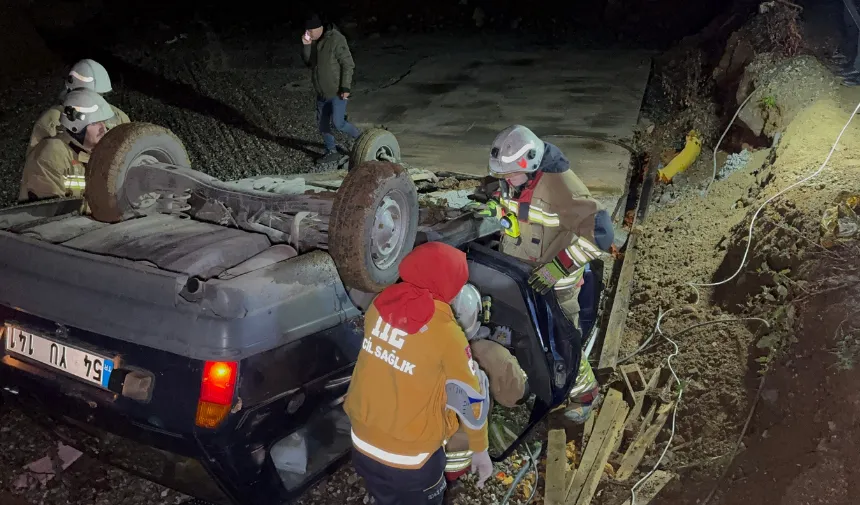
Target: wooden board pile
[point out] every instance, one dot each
(615, 441)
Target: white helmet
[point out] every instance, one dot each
(516, 149)
(90, 75)
(467, 309)
(82, 108)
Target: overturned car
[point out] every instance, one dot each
(202, 333)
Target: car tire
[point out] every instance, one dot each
(371, 144)
(121, 148)
(373, 225)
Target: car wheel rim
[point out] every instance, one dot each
(144, 159)
(385, 153)
(389, 230)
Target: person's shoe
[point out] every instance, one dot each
(849, 72)
(329, 157)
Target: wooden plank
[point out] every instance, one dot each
(636, 451)
(634, 386)
(556, 468)
(636, 411)
(607, 423)
(587, 430)
(604, 452)
(651, 487)
(620, 306)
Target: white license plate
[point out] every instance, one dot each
(85, 365)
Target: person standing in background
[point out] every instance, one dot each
(326, 52)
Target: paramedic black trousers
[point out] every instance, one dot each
(396, 486)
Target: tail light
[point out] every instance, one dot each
(217, 389)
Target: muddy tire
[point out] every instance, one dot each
(119, 149)
(373, 225)
(371, 144)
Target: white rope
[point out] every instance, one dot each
(740, 267)
(716, 147)
(674, 410)
(774, 197)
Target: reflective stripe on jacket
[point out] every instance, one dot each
(554, 210)
(53, 169)
(397, 398)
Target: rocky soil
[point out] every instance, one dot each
(794, 277)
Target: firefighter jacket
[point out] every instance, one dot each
(55, 168)
(398, 401)
(48, 125)
(554, 210)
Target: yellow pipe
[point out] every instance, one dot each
(683, 160)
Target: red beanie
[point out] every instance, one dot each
(432, 271)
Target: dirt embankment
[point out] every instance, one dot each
(794, 275)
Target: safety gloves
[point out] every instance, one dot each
(483, 465)
(492, 208)
(569, 261)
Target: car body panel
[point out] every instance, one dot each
(286, 320)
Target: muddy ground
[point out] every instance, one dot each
(792, 379)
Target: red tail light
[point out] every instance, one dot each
(216, 392)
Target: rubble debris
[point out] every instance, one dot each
(734, 162)
(39, 472)
(841, 222)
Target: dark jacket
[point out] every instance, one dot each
(330, 62)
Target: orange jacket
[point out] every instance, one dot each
(397, 400)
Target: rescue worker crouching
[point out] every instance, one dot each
(507, 380)
(56, 166)
(415, 383)
(85, 74)
(552, 223)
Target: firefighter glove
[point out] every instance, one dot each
(482, 464)
(492, 208)
(571, 259)
(543, 278)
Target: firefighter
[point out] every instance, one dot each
(55, 168)
(508, 382)
(85, 74)
(551, 222)
(415, 383)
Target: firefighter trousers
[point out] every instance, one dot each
(586, 382)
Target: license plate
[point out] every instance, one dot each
(85, 365)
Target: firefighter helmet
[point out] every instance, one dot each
(515, 150)
(88, 74)
(467, 309)
(82, 108)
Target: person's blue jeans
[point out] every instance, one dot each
(332, 112)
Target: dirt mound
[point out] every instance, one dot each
(781, 89)
(696, 239)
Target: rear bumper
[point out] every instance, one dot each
(231, 465)
(82, 418)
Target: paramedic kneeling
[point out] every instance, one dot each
(415, 383)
